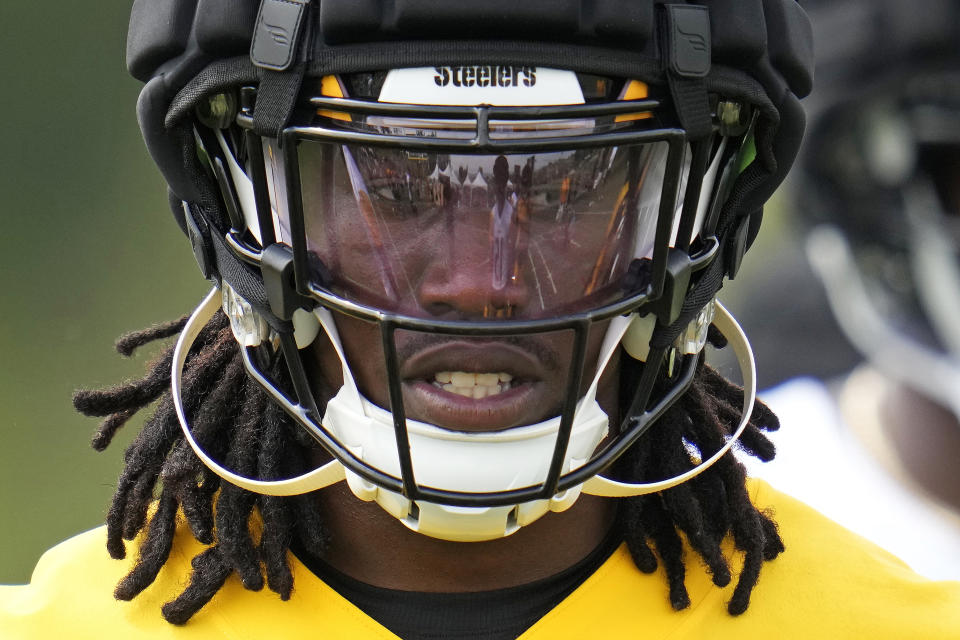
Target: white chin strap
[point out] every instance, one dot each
(460, 461)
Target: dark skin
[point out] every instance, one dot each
(371, 546)
(362, 532)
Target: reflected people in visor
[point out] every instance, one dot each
(444, 236)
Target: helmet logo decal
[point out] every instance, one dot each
(279, 33)
(486, 76)
(502, 85)
(690, 39)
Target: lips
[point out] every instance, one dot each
(476, 386)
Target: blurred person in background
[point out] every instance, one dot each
(878, 190)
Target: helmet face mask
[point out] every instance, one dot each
(453, 241)
(512, 236)
(605, 194)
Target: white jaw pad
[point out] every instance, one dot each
(600, 486)
(325, 476)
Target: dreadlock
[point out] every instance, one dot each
(713, 503)
(233, 420)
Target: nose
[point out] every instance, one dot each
(478, 275)
(466, 291)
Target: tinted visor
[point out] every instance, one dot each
(474, 236)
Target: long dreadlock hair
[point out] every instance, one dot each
(233, 420)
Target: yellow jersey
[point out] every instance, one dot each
(829, 584)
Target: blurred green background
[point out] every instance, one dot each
(89, 251)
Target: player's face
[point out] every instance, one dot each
(482, 238)
(467, 383)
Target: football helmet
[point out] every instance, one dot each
(879, 175)
(489, 199)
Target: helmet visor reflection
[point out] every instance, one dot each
(519, 235)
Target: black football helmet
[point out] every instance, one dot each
(517, 180)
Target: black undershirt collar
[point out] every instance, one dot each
(500, 614)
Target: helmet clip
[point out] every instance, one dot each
(680, 268)
(197, 231)
(278, 29)
(277, 266)
(694, 338)
(276, 263)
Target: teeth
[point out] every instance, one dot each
(461, 379)
(487, 379)
(473, 385)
